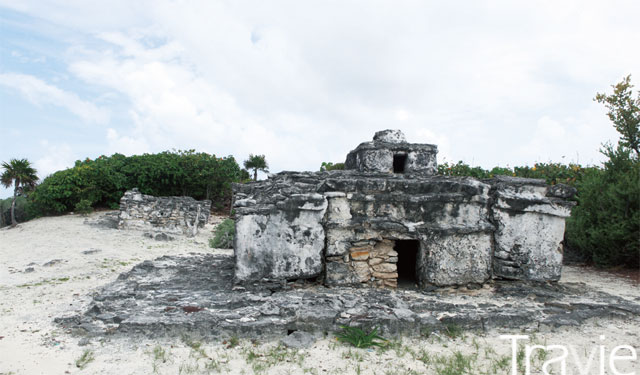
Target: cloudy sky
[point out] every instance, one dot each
(490, 82)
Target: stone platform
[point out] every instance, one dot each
(195, 295)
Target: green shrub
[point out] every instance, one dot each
(552, 173)
(359, 338)
(83, 207)
(23, 210)
(223, 237)
(328, 166)
(605, 225)
(104, 180)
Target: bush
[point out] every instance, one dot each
(328, 166)
(605, 225)
(23, 211)
(83, 207)
(103, 181)
(223, 237)
(552, 173)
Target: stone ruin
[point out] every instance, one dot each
(388, 220)
(162, 215)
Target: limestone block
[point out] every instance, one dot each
(528, 246)
(338, 210)
(529, 229)
(362, 271)
(383, 248)
(338, 241)
(374, 261)
(285, 244)
(360, 255)
(385, 275)
(339, 273)
(391, 283)
(385, 267)
(455, 259)
(390, 135)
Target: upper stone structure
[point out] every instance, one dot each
(381, 225)
(390, 152)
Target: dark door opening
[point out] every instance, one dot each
(399, 162)
(407, 262)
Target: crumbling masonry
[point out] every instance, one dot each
(174, 215)
(388, 220)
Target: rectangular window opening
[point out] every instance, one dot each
(407, 262)
(399, 163)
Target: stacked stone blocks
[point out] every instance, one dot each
(174, 215)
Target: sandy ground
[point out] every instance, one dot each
(30, 343)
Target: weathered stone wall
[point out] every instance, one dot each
(342, 225)
(378, 156)
(378, 210)
(529, 218)
(176, 215)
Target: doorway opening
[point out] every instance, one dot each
(399, 162)
(407, 262)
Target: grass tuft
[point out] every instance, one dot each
(359, 338)
(85, 359)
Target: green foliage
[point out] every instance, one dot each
(461, 169)
(359, 338)
(552, 173)
(83, 207)
(18, 173)
(328, 166)
(605, 225)
(223, 238)
(453, 331)
(22, 211)
(457, 364)
(104, 180)
(244, 175)
(256, 163)
(624, 112)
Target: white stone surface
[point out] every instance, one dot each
(528, 246)
(390, 135)
(456, 259)
(283, 244)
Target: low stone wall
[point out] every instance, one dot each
(175, 215)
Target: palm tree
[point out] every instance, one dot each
(21, 174)
(257, 163)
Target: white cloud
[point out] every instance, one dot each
(39, 92)
(56, 157)
(440, 140)
(490, 83)
(564, 140)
